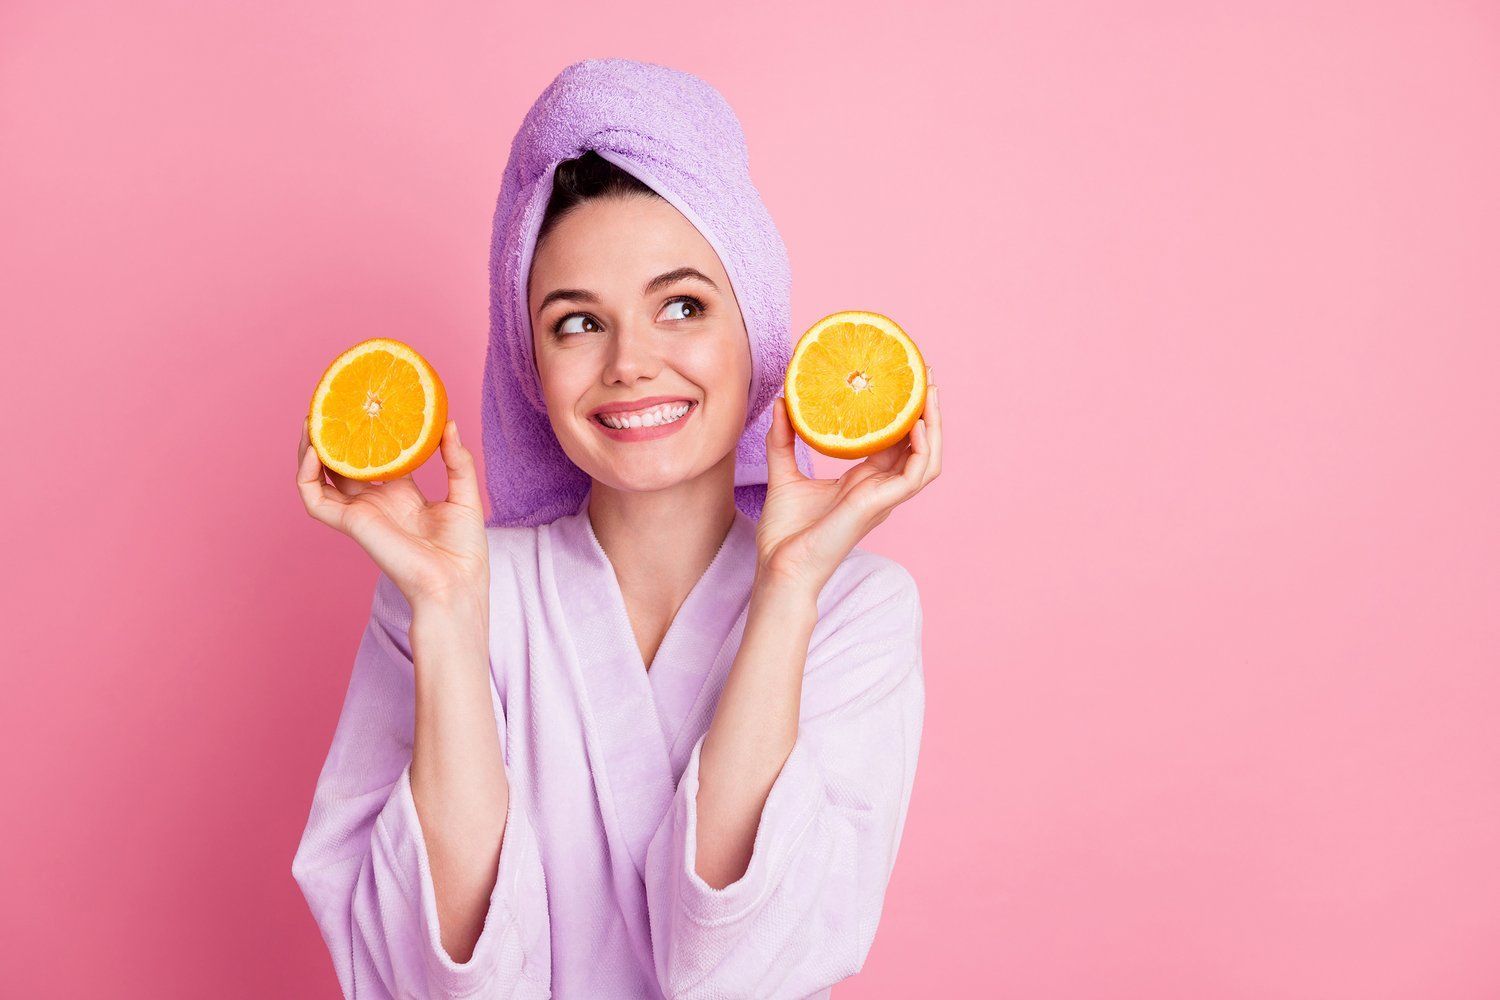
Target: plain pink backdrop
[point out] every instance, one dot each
(1211, 580)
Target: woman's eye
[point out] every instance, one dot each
(695, 307)
(564, 325)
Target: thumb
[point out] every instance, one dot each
(781, 461)
(463, 477)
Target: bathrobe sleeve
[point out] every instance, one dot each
(362, 863)
(803, 915)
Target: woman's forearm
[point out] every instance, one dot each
(458, 779)
(754, 728)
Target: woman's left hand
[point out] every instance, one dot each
(808, 525)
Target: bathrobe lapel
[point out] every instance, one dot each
(634, 718)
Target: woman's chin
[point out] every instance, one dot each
(639, 479)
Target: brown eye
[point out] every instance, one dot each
(558, 328)
(689, 303)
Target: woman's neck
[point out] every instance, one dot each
(660, 543)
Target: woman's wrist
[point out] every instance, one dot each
(787, 600)
(454, 600)
(451, 618)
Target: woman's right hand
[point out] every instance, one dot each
(433, 552)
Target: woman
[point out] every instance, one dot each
(652, 730)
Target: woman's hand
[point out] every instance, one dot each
(808, 526)
(434, 552)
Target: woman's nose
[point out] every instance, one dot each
(632, 353)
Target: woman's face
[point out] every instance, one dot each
(630, 303)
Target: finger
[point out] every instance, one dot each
(920, 458)
(930, 411)
(463, 474)
(889, 458)
(934, 417)
(302, 444)
(345, 485)
(781, 459)
(897, 488)
(322, 501)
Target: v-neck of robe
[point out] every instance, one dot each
(634, 717)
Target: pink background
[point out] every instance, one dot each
(1211, 580)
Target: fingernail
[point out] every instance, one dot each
(455, 432)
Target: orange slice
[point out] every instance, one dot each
(378, 411)
(856, 384)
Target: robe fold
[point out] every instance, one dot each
(597, 895)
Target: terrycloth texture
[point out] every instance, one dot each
(677, 135)
(598, 895)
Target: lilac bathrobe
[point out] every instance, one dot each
(597, 894)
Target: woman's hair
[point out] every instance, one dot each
(581, 179)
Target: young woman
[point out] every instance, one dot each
(652, 730)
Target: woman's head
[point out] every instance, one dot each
(677, 135)
(628, 302)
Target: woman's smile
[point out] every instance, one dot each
(645, 424)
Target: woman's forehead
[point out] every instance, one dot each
(613, 246)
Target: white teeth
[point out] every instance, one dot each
(654, 417)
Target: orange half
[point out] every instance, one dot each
(378, 411)
(856, 384)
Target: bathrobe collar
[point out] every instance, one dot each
(635, 720)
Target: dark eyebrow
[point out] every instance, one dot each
(660, 281)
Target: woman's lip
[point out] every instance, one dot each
(645, 433)
(639, 404)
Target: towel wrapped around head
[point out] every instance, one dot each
(678, 135)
